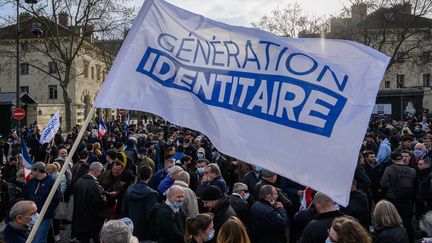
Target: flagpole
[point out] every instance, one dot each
(60, 175)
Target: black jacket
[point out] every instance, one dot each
(317, 230)
(395, 234)
(240, 207)
(89, 205)
(222, 212)
(12, 235)
(358, 207)
(138, 201)
(267, 224)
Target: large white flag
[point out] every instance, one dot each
(51, 129)
(299, 107)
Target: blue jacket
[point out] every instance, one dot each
(37, 191)
(139, 199)
(157, 178)
(267, 223)
(384, 151)
(12, 235)
(166, 183)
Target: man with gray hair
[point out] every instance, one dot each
(23, 215)
(89, 205)
(170, 220)
(190, 201)
(212, 176)
(239, 201)
(168, 181)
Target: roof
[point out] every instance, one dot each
(391, 18)
(26, 23)
(10, 98)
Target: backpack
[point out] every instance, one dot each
(404, 186)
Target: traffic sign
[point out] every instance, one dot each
(121, 112)
(18, 114)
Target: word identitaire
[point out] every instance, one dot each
(265, 83)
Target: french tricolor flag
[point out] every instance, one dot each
(27, 163)
(102, 128)
(306, 199)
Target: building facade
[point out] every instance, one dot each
(40, 73)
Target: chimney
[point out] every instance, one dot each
(24, 17)
(358, 12)
(63, 18)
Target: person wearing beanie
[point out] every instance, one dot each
(219, 204)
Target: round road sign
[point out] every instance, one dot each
(18, 114)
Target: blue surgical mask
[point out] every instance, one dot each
(328, 240)
(33, 221)
(201, 170)
(210, 236)
(418, 153)
(245, 197)
(258, 168)
(200, 155)
(177, 205)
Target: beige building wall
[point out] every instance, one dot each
(82, 89)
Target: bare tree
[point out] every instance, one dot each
(63, 42)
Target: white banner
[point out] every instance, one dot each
(51, 129)
(298, 107)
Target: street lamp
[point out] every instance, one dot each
(18, 59)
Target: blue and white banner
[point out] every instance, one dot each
(298, 107)
(51, 129)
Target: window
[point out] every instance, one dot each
(426, 79)
(24, 68)
(400, 57)
(98, 72)
(426, 57)
(387, 84)
(92, 72)
(52, 66)
(400, 81)
(52, 92)
(86, 69)
(24, 89)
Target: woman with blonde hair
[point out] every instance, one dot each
(199, 229)
(233, 231)
(348, 230)
(98, 152)
(388, 224)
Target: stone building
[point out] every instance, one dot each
(37, 67)
(403, 34)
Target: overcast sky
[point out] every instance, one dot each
(238, 12)
(243, 12)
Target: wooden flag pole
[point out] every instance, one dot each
(60, 175)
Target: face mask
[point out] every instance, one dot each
(418, 153)
(245, 197)
(328, 240)
(33, 221)
(200, 156)
(201, 170)
(177, 205)
(210, 235)
(258, 169)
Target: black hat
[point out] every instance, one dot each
(211, 193)
(267, 173)
(142, 150)
(396, 156)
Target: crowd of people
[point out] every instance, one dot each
(152, 181)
